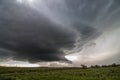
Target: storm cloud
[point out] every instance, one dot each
(31, 35)
(48, 30)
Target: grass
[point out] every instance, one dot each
(108, 73)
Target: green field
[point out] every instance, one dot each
(108, 73)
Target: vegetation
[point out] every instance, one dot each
(94, 73)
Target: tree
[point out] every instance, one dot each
(83, 66)
(114, 65)
(97, 66)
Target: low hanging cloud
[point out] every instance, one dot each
(48, 30)
(31, 35)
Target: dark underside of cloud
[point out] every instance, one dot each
(30, 35)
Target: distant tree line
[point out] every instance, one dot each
(99, 66)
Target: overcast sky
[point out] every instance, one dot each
(59, 32)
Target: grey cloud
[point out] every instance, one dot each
(32, 36)
(44, 33)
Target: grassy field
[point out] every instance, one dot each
(109, 73)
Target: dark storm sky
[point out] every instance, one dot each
(49, 30)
